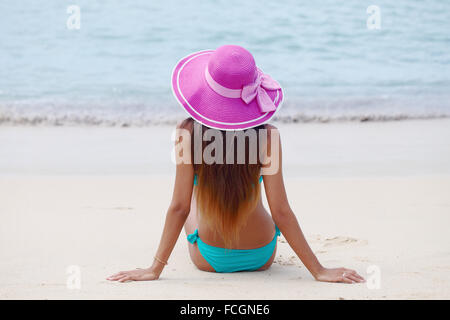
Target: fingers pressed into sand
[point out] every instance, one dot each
(116, 274)
(125, 278)
(360, 278)
(346, 279)
(118, 278)
(354, 273)
(354, 278)
(115, 278)
(350, 271)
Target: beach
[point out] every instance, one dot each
(371, 196)
(88, 108)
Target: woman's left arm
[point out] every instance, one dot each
(175, 218)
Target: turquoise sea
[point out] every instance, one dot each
(115, 69)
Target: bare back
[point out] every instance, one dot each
(258, 231)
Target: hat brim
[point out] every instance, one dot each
(209, 108)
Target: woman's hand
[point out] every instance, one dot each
(135, 275)
(339, 275)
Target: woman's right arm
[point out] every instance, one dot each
(286, 221)
(175, 218)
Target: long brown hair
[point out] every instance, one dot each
(226, 194)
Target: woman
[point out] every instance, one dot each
(224, 151)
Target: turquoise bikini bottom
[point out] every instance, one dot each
(233, 260)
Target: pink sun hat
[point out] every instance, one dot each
(224, 89)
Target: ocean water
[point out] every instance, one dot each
(115, 69)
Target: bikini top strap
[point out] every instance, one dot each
(192, 238)
(277, 231)
(195, 179)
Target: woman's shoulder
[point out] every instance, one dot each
(269, 126)
(187, 124)
(271, 130)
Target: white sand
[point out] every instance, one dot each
(372, 194)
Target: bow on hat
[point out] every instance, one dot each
(249, 92)
(258, 90)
